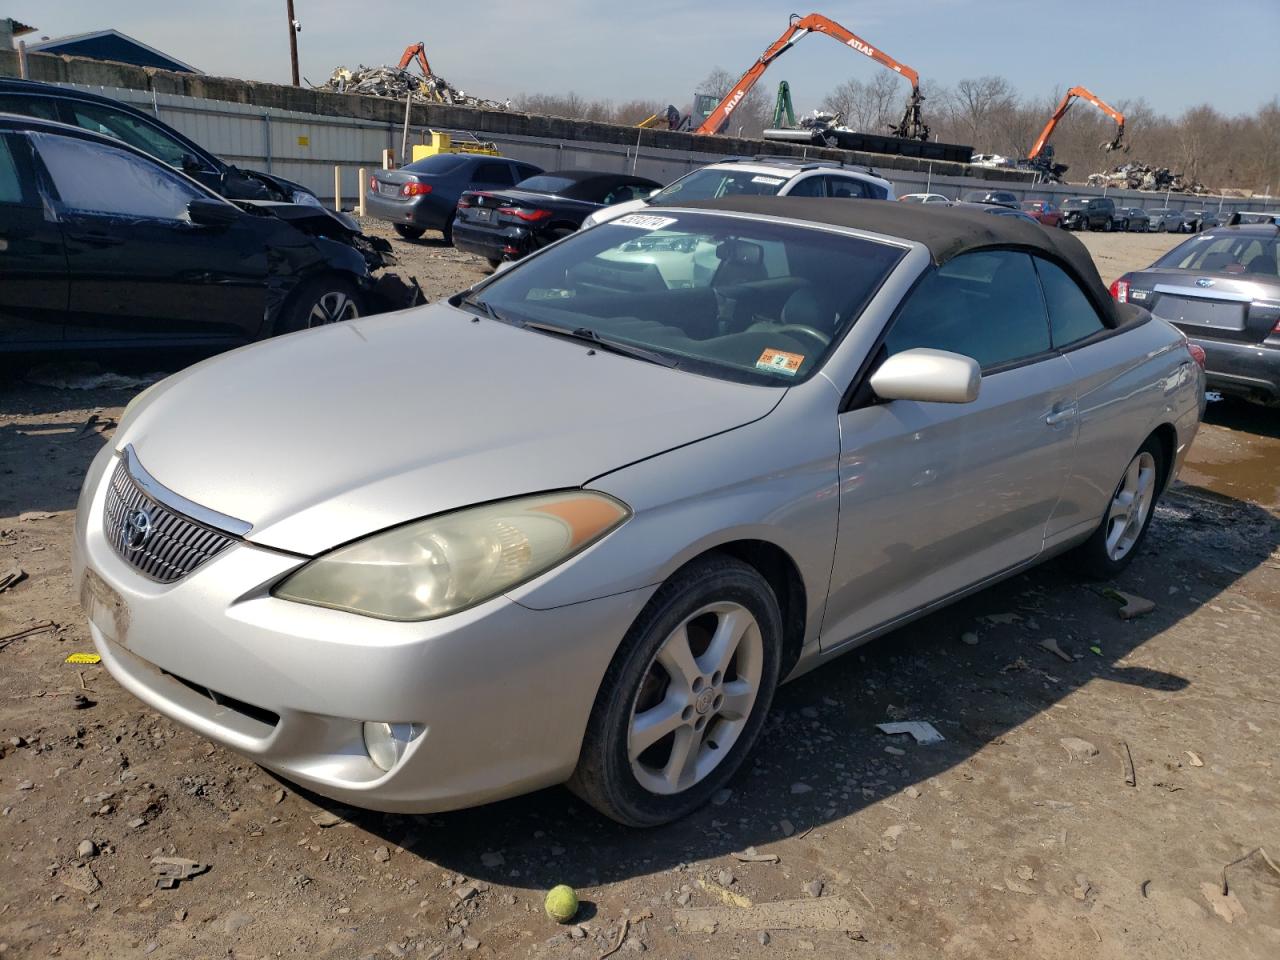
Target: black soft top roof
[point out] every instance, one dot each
(946, 232)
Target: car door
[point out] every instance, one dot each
(148, 137)
(935, 497)
(33, 263)
(138, 267)
(1109, 386)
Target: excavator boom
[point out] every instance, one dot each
(911, 125)
(1065, 104)
(420, 52)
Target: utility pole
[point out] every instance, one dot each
(293, 42)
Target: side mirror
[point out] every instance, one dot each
(928, 376)
(212, 213)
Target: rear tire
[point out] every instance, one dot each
(1124, 526)
(447, 231)
(1106, 227)
(690, 687)
(1161, 227)
(494, 264)
(319, 302)
(409, 232)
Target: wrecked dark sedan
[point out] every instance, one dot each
(140, 129)
(103, 246)
(506, 224)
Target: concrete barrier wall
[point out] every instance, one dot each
(302, 134)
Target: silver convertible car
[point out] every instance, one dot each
(578, 522)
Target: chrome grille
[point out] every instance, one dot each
(155, 540)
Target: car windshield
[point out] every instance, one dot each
(719, 296)
(437, 165)
(1234, 253)
(709, 184)
(1074, 205)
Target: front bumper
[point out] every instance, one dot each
(1250, 370)
(502, 691)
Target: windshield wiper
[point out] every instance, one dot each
(485, 307)
(587, 335)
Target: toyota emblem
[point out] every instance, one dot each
(137, 529)
(1204, 282)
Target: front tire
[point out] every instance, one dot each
(685, 697)
(1106, 227)
(1113, 545)
(1162, 227)
(319, 302)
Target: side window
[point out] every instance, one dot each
(15, 187)
(46, 108)
(623, 192)
(1071, 315)
(524, 171)
(95, 178)
(498, 174)
(983, 305)
(132, 130)
(846, 188)
(808, 187)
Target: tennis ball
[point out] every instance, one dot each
(561, 903)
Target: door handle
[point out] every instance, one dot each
(1056, 417)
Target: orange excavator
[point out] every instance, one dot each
(912, 126)
(1042, 148)
(420, 52)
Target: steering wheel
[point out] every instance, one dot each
(802, 332)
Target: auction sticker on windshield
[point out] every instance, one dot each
(771, 181)
(644, 221)
(780, 361)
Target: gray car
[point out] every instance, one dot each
(1132, 220)
(1222, 289)
(578, 522)
(424, 194)
(1166, 219)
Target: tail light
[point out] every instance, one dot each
(1120, 291)
(528, 216)
(464, 203)
(373, 184)
(415, 189)
(1197, 353)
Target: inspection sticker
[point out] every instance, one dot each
(771, 181)
(780, 362)
(644, 221)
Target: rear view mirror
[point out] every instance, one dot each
(190, 164)
(740, 251)
(928, 376)
(212, 213)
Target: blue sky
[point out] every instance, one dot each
(1176, 53)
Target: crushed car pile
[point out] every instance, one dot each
(397, 83)
(1141, 176)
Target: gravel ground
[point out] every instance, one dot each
(1019, 836)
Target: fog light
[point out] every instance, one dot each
(386, 742)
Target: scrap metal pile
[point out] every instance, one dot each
(1141, 176)
(396, 83)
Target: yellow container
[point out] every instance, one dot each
(443, 143)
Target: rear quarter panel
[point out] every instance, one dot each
(1128, 385)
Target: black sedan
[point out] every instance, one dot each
(1222, 289)
(143, 131)
(424, 195)
(1002, 197)
(507, 224)
(103, 246)
(995, 209)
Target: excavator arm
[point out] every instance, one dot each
(420, 52)
(911, 125)
(1070, 97)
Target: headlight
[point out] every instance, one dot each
(306, 199)
(434, 567)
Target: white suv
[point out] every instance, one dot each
(762, 176)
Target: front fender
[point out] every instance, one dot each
(774, 480)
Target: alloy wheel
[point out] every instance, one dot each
(1130, 506)
(696, 698)
(331, 308)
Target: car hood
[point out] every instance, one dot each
(321, 437)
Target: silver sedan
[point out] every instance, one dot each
(578, 522)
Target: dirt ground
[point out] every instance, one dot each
(1080, 806)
